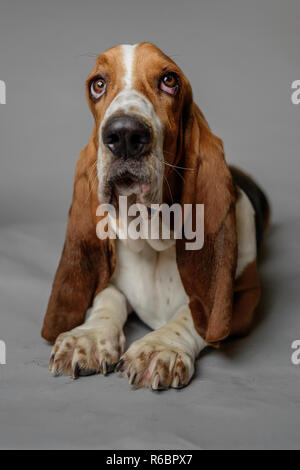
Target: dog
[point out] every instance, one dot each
(151, 144)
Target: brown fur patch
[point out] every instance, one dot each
(246, 298)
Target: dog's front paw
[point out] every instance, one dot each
(86, 352)
(150, 363)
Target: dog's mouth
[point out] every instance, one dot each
(125, 183)
(128, 179)
(138, 190)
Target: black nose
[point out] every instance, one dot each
(126, 136)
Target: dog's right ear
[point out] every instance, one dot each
(87, 263)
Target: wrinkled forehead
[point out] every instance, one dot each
(130, 64)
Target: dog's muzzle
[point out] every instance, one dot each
(130, 152)
(127, 136)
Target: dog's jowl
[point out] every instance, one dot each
(152, 145)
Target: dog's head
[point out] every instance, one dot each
(140, 100)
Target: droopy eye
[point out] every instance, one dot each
(169, 83)
(98, 88)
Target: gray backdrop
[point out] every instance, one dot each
(241, 57)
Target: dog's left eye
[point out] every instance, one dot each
(169, 83)
(98, 88)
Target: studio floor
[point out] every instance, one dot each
(244, 396)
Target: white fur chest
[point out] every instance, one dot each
(150, 281)
(147, 272)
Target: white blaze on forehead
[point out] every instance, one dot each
(130, 100)
(128, 58)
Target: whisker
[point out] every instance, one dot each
(92, 170)
(169, 189)
(92, 187)
(173, 56)
(179, 167)
(179, 174)
(176, 166)
(92, 183)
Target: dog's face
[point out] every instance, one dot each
(140, 100)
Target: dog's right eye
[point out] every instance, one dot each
(98, 88)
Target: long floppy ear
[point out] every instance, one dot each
(208, 274)
(87, 263)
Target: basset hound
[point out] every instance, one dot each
(152, 145)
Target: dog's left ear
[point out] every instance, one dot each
(208, 274)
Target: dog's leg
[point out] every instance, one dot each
(96, 346)
(166, 357)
